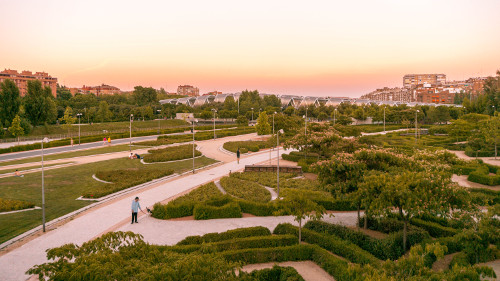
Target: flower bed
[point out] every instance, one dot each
(7, 205)
(171, 153)
(245, 189)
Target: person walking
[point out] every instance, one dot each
(238, 155)
(135, 208)
(109, 140)
(104, 141)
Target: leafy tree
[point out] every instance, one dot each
(301, 208)
(289, 110)
(39, 104)
(10, 101)
(145, 96)
(242, 121)
(343, 119)
(16, 129)
(460, 129)
(439, 114)
(263, 127)
(63, 93)
(206, 115)
(103, 113)
(491, 131)
(322, 116)
(230, 103)
(68, 120)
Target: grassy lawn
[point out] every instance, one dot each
(395, 140)
(2, 172)
(93, 151)
(62, 187)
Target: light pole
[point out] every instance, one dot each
(43, 188)
(278, 166)
(252, 113)
(384, 118)
(334, 115)
(130, 138)
(79, 126)
(215, 111)
(416, 119)
(194, 120)
(159, 126)
(273, 121)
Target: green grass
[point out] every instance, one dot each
(62, 187)
(3, 172)
(246, 146)
(87, 152)
(395, 140)
(245, 189)
(171, 153)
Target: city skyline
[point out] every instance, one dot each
(325, 49)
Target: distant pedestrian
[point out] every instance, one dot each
(104, 141)
(238, 155)
(18, 174)
(109, 140)
(71, 142)
(135, 208)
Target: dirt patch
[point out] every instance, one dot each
(444, 263)
(371, 233)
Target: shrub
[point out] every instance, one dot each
(331, 243)
(7, 205)
(246, 146)
(257, 208)
(245, 189)
(276, 273)
(452, 243)
(322, 198)
(263, 178)
(434, 229)
(171, 153)
(277, 254)
(483, 196)
(206, 212)
(228, 235)
(295, 156)
(482, 176)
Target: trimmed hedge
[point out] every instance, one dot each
(333, 244)
(227, 235)
(206, 212)
(257, 208)
(295, 156)
(277, 254)
(246, 146)
(7, 205)
(482, 178)
(483, 196)
(434, 229)
(276, 273)
(172, 153)
(264, 178)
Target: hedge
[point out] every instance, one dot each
(434, 229)
(7, 205)
(246, 146)
(207, 212)
(276, 273)
(245, 189)
(227, 235)
(483, 196)
(473, 153)
(264, 178)
(267, 241)
(486, 179)
(333, 244)
(172, 153)
(295, 156)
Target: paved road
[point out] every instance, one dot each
(99, 220)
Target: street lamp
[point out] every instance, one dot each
(334, 115)
(416, 119)
(43, 188)
(159, 126)
(278, 166)
(384, 118)
(193, 121)
(252, 113)
(215, 111)
(79, 125)
(270, 149)
(130, 138)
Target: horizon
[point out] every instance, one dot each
(292, 48)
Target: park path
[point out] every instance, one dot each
(100, 219)
(487, 160)
(307, 269)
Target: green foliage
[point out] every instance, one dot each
(16, 129)
(145, 96)
(39, 104)
(262, 126)
(263, 178)
(7, 205)
(103, 113)
(276, 273)
(434, 229)
(245, 189)
(246, 146)
(172, 153)
(481, 175)
(206, 211)
(242, 121)
(227, 235)
(68, 120)
(10, 101)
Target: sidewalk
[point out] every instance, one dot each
(15, 263)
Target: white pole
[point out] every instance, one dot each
(79, 127)
(130, 137)
(384, 118)
(193, 146)
(43, 192)
(214, 122)
(278, 167)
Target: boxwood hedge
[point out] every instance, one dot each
(227, 235)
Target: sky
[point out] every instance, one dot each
(322, 48)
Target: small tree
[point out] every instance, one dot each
(263, 127)
(205, 114)
(242, 121)
(492, 132)
(16, 129)
(68, 120)
(301, 208)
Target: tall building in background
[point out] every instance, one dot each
(390, 94)
(188, 90)
(413, 80)
(21, 80)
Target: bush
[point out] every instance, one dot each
(7, 205)
(483, 196)
(277, 254)
(264, 178)
(206, 212)
(295, 156)
(482, 176)
(245, 190)
(331, 243)
(276, 273)
(246, 146)
(452, 243)
(257, 208)
(171, 153)
(434, 229)
(228, 235)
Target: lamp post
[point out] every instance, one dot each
(384, 118)
(252, 113)
(334, 115)
(130, 137)
(278, 166)
(416, 119)
(79, 126)
(215, 111)
(193, 121)
(159, 126)
(270, 149)
(43, 188)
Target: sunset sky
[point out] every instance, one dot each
(334, 48)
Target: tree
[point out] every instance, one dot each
(491, 131)
(39, 104)
(145, 96)
(206, 115)
(301, 208)
(343, 119)
(460, 129)
(439, 114)
(230, 104)
(10, 101)
(16, 129)
(103, 113)
(242, 121)
(263, 127)
(68, 120)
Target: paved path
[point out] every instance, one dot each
(462, 181)
(487, 160)
(496, 267)
(99, 220)
(307, 269)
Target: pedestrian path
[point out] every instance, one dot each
(97, 221)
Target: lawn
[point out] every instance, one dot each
(62, 187)
(2, 172)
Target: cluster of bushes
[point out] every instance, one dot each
(246, 190)
(331, 243)
(264, 178)
(276, 273)
(246, 146)
(227, 235)
(322, 198)
(122, 179)
(482, 175)
(218, 208)
(7, 205)
(171, 153)
(484, 197)
(478, 153)
(295, 156)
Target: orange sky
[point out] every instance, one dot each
(336, 48)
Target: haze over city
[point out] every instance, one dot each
(324, 48)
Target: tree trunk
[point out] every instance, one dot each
(404, 234)
(300, 231)
(366, 221)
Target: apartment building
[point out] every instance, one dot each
(188, 90)
(21, 80)
(103, 89)
(390, 94)
(413, 80)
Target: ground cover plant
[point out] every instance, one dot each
(7, 205)
(171, 153)
(245, 189)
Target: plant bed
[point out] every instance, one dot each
(7, 205)
(171, 153)
(246, 146)
(245, 189)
